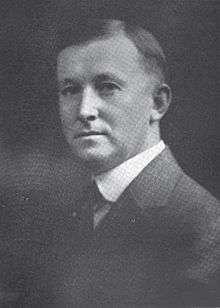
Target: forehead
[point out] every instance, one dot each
(117, 53)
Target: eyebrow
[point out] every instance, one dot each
(99, 78)
(68, 81)
(107, 76)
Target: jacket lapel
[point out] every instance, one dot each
(154, 185)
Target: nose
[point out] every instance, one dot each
(88, 109)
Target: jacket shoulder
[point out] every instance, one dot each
(191, 193)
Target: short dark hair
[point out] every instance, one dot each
(83, 31)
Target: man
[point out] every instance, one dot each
(142, 233)
(155, 237)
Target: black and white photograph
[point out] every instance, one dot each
(109, 154)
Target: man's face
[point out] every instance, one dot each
(105, 99)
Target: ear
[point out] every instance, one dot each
(161, 101)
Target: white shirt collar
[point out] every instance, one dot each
(113, 182)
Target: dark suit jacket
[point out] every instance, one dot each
(158, 246)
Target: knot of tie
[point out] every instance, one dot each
(96, 198)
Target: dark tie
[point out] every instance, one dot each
(100, 205)
(91, 204)
(97, 198)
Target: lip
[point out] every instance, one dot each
(89, 133)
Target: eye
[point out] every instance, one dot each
(107, 87)
(70, 90)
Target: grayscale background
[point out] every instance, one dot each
(35, 161)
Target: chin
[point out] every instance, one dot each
(95, 161)
(92, 156)
(99, 161)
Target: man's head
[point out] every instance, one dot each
(112, 91)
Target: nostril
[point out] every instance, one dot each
(87, 118)
(91, 118)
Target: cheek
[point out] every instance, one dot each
(67, 109)
(140, 109)
(135, 110)
(133, 120)
(123, 124)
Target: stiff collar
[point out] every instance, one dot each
(112, 183)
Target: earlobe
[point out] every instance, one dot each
(162, 100)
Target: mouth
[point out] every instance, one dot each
(89, 133)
